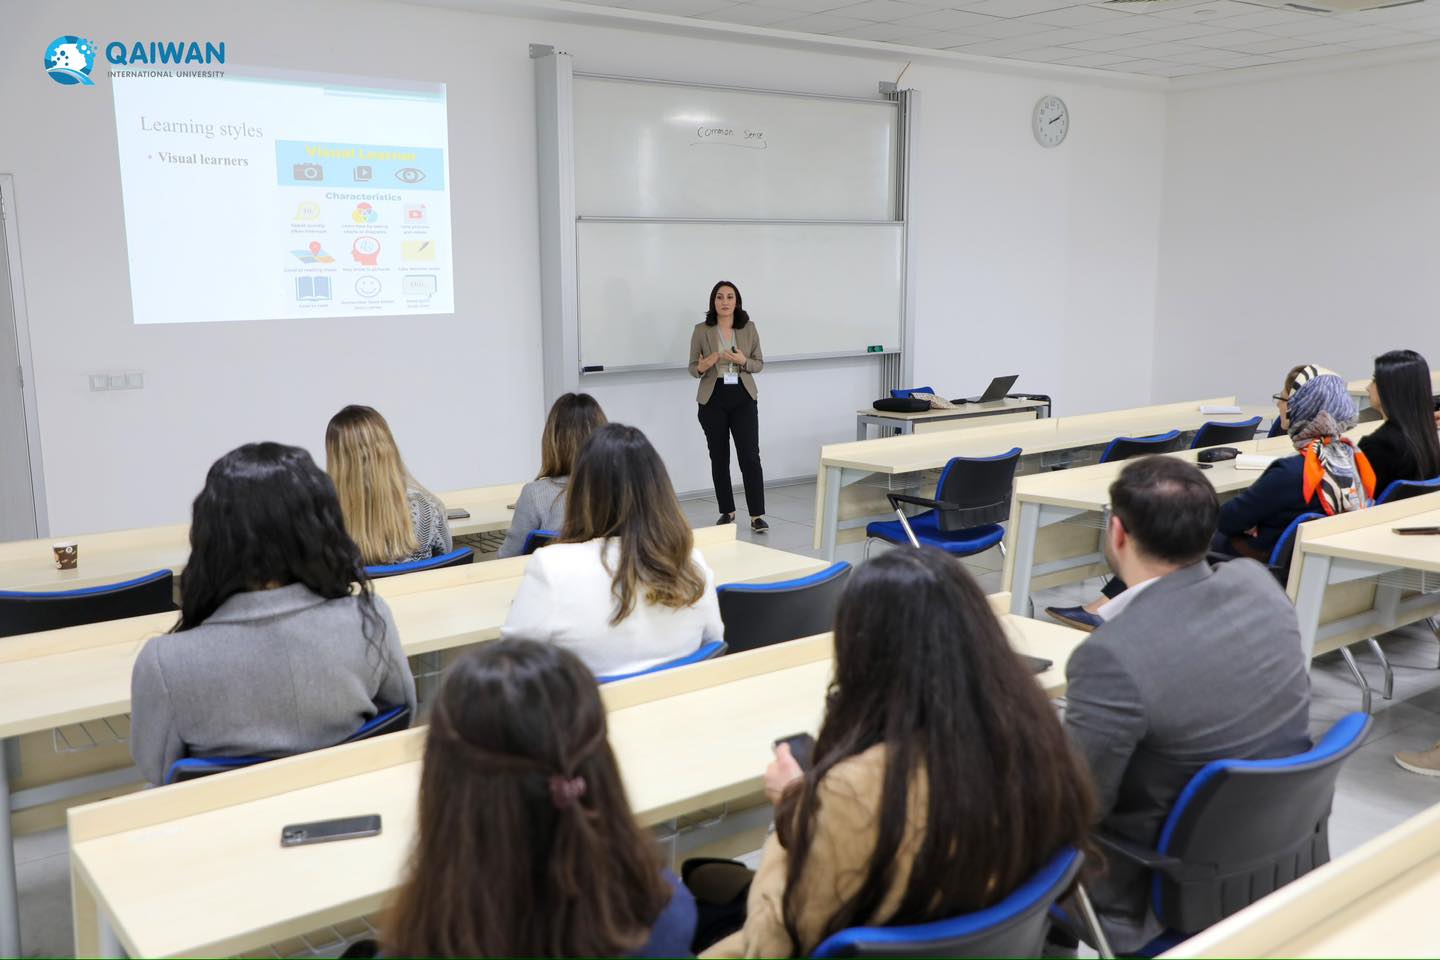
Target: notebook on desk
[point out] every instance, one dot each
(997, 390)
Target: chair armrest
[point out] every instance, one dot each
(1138, 854)
(898, 498)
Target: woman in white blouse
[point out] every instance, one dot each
(624, 588)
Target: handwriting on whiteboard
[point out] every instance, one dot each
(730, 137)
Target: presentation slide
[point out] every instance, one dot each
(280, 196)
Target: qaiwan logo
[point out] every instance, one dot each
(69, 60)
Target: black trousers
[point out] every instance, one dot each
(731, 411)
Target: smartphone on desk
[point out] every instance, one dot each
(1417, 531)
(802, 748)
(324, 831)
(457, 513)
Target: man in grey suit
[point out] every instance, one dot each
(1192, 664)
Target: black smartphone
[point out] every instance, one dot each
(1417, 531)
(324, 831)
(1037, 665)
(802, 748)
(457, 513)
(1204, 466)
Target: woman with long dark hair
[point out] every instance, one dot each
(281, 646)
(541, 505)
(624, 588)
(942, 778)
(526, 846)
(1405, 446)
(725, 355)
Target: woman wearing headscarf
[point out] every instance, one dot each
(1328, 474)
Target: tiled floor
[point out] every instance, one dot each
(1372, 796)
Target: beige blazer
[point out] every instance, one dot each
(705, 340)
(846, 830)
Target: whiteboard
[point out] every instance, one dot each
(646, 149)
(810, 288)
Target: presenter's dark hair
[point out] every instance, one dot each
(712, 318)
(961, 718)
(1168, 506)
(1402, 378)
(269, 515)
(507, 861)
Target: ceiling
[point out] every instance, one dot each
(1166, 38)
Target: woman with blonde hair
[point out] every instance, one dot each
(390, 516)
(541, 505)
(624, 589)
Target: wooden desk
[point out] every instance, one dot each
(1056, 519)
(1007, 410)
(1399, 576)
(844, 464)
(78, 674)
(147, 869)
(1373, 902)
(123, 554)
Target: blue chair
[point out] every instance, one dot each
(455, 558)
(1276, 428)
(1014, 927)
(707, 651)
(1123, 448)
(26, 611)
(1240, 830)
(1214, 434)
(1405, 489)
(973, 495)
(905, 394)
(536, 539)
(193, 768)
(759, 614)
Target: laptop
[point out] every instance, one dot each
(997, 390)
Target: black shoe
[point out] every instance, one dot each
(724, 519)
(758, 525)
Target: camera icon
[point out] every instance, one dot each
(308, 171)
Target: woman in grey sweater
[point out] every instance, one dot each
(277, 650)
(541, 505)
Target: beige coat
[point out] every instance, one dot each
(845, 834)
(705, 340)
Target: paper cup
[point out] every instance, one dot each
(67, 555)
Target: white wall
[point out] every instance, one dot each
(1300, 226)
(1027, 260)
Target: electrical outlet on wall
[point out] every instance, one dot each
(99, 381)
(134, 381)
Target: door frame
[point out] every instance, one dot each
(22, 344)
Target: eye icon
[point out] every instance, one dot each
(409, 175)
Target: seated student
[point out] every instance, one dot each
(941, 779)
(277, 651)
(1296, 378)
(1405, 446)
(625, 587)
(541, 505)
(526, 846)
(1326, 475)
(1192, 664)
(388, 513)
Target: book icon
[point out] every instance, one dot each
(312, 288)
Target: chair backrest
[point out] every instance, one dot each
(1213, 433)
(1405, 489)
(905, 394)
(980, 487)
(706, 651)
(1284, 550)
(536, 539)
(455, 558)
(24, 611)
(1014, 927)
(1244, 828)
(193, 768)
(759, 614)
(1123, 448)
(1276, 428)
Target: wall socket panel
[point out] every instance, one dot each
(129, 380)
